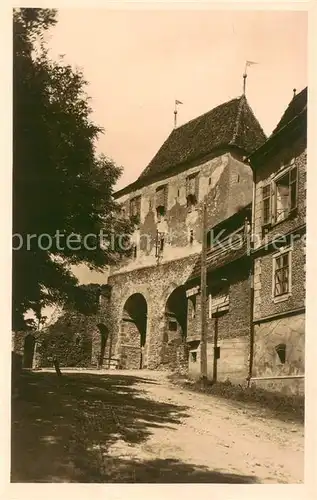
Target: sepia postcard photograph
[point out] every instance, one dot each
(159, 199)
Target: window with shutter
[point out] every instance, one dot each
(192, 187)
(161, 202)
(135, 208)
(282, 274)
(284, 193)
(266, 204)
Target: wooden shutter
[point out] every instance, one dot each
(160, 197)
(293, 188)
(273, 203)
(266, 200)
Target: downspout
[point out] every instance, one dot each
(250, 252)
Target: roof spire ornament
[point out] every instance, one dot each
(294, 93)
(247, 64)
(175, 112)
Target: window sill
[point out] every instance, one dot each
(281, 298)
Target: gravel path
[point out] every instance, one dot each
(123, 427)
(220, 436)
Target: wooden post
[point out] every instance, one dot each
(214, 377)
(203, 294)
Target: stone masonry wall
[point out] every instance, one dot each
(233, 328)
(155, 283)
(264, 304)
(225, 182)
(289, 330)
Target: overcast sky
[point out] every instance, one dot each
(139, 62)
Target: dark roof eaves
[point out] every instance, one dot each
(147, 180)
(286, 128)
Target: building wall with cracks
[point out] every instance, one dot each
(160, 275)
(280, 265)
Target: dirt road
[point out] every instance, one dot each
(220, 436)
(137, 427)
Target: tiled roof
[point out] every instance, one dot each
(230, 124)
(295, 107)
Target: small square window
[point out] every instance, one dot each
(281, 352)
(172, 326)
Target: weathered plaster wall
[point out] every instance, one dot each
(227, 183)
(155, 284)
(234, 322)
(288, 330)
(232, 364)
(233, 327)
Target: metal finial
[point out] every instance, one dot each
(244, 82)
(294, 93)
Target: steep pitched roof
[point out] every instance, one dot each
(230, 124)
(295, 113)
(295, 107)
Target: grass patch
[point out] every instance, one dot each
(278, 405)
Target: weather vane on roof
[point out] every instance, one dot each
(175, 112)
(247, 64)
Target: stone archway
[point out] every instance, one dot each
(133, 332)
(174, 352)
(28, 351)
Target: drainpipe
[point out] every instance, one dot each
(203, 295)
(250, 248)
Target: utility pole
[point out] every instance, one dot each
(203, 294)
(215, 347)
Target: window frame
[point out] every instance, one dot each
(192, 194)
(135, 201)
(285, 172)
(271, 220)
(282, 296)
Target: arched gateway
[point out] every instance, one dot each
(174, 352)
(133, 332)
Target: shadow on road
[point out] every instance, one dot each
(62, 429)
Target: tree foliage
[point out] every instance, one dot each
(59, 181)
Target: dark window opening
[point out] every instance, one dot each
(193, 356)
(281, 352)
(191, 201)
(172, 326)
(160, 212)
(191, 236)
(209, 181)
(135, 209)
(135, 251)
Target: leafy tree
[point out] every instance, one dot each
(61, 187)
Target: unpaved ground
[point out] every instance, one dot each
(221, 436)
(137, 427)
